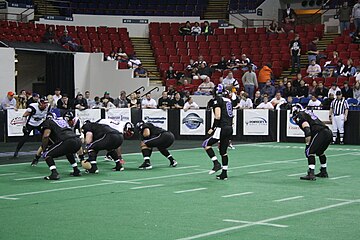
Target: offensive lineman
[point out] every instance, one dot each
(105, 134)
(317, 139)
(152, 136)
(221, 130)
(74, 123)
(36, 115)
(58, 140)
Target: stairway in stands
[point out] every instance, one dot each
(217, 9)
(144, 52)
(326, 40)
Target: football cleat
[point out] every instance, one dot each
(145, 166)
(222, 176)
(34, 162)
(231, 146)
(323, 173)
(53, 176)
(310, 176)
(108, 158)
(16, 153)
(341, 143)
(173, 164)
(93, 170)
(217, 167)
(118, 168)
(76, 173)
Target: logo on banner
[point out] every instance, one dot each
(193, 121)
(155, 120)
(256, 121)
(17, 121)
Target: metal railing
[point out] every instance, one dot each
(155, 88)
(142, 88)
(21, 17)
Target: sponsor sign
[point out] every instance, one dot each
(88, 114)
(15, 122)
(256, 122)
(158, 117)
(192, 122)
(119, 114)
(293, 130)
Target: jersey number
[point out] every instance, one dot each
(229, 109)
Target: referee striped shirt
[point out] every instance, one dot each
(339, 106)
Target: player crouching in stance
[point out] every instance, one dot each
(317, 138)
(63, 142)
(152, 136)
(220, 131)
(105, 134)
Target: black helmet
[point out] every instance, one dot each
(140, 125)
(68, 116)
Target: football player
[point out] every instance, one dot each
(152, 136)
(317, 139)
(74, 123)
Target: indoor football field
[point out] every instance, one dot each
(262, 199)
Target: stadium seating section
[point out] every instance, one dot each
(244, 4)
(105, 39)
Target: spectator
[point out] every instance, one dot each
(245, 62)
(356, 90)
(200, 61)
(265, 104)
(303, 89)
(49, 36)
(221, 65)
(172, 74)
(196, 29)
(80, 102)
(97, 103)
(203, 72)
(111, 57)
(344, 15)
(106, 104)
(133, 62)
(52, 103)
(277, 100)
(274, 27)
(9, 102)
(90, 102)
(265, 74)
(230, 81)
(314, 103)
(314, 69)
(245, 101)
(349, 70)
(178, 102)
(257, 99)
(289, 90)
(280, 87)
(205, 88)
(134, 102)
(250, 82)
(268, 89)
(333, 61)
(325, 105)
(21, 100)
(164, 102)
(289, 17)
(140, 72)
(295, 52)
(121, 58)
(339, 70)
(148, 102)
(347, 91)
(63, 103)
(235, 100)
(287, 105)
(296, 82)
(186, 29)
(233, 63)
(35, 98)
(190, 70)
(190, 104)
(313, 87)
(121, 101)
(171, 91)
(312, 50)
(206, 29)
(321, 91)
(57, 95)
(357, 74)
(355, 15)
(107, 96)
(120, 52)
(67, 40)
(333, 89)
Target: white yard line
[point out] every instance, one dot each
(261, 171)
(148, 186)
(296, 174)
(115, 181)
(68, 180)
(229, 229)
(8, 198)
(7, 174)
(288, 199)
(28, 178)
(340, 177)
(237, 194)
(191, 190)
(186, 167)
(264, 224)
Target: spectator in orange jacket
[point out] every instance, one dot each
(265, 74)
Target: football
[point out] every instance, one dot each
(86, 165)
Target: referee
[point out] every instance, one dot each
(339, 110)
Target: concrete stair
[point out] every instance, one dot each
(217, 9)
(144, 52)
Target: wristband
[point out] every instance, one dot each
(216, 124)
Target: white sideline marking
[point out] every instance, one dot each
(334, 178)
(261, 171)
(296, 174)
(237, 194)
(148, 186)
(7, 174)
(28, 178)
(190, 190)
(288, 199)
(268, 220)
(8, 198)
(144, 179)
(186, 167)
(115, 181)
(68, 180)
(264, 224)
(343, 200)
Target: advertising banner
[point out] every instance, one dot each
(119, 114)
(88, 114)
(192, 122)
(256, 122)
(15, 122)
(158, 117)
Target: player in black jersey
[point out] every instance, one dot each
(221, 130)
(152, 136)
(58, 140)
(105, 134)
(74, 123)
(317, 138)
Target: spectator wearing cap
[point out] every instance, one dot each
(333, 89)
(33, 99)
(121, 101)
(80, 102)
(107, 96)
(57, 95)
(140, 72)
(9, 102)
(347, 91)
